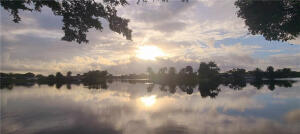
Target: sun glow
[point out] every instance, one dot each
(149, 52)
(148, 100)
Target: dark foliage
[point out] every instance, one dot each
(78, 15)
(274, 19)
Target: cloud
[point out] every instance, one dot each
(295, 41)
(293, 116)
(170, 27)
(186, 32)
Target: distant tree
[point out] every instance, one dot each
(273, 19)
(237, 73)
(237, 80)
(172, 71)
(59, 77)
(51, 78)
(189, 69)
(270, 72)
(172, 76)
(39, 76)
(283, 73)
(151, 73)
(95, 76)
(163, 70)
(270, 69)
(69, 74)
(29, 75)
(208, 70)
(258, 74)
(162, 75)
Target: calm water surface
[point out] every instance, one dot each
(129, 108)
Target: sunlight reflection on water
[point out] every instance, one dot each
(126, 108)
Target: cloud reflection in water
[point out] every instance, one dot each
(115, 110)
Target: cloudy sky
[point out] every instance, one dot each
(164, 34)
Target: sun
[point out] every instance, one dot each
(149, 52)
(148, 100)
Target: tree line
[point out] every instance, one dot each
(91, 78)
(208, 77)
(209, 71)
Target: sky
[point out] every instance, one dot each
(164, 34)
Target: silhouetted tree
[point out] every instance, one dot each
(78, 15)
(51, 79)
(162, 75)
(237, 73)
(283, 73)
(274, 19)
(270, 72)
(95, 76)
(208, 70)
(172, 75)
(189, 69)
(258, 74)
(151, 73)
(59, 77)
(29, 75)
(69, 74)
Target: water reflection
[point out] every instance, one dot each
(206, 88)
(148, 100)
(43, 109)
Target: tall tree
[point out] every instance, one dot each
(208, 70)
(270, 72)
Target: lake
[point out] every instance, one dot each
(143, 108)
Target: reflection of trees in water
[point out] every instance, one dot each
(271, 84)
(209, 88)
(236, 84)
(274, 19)
(78, 15)
(257, 83)
(8, 86)
(58, 85)
(188, 87)
(170, 87)
(150, 87)
(98, 85)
